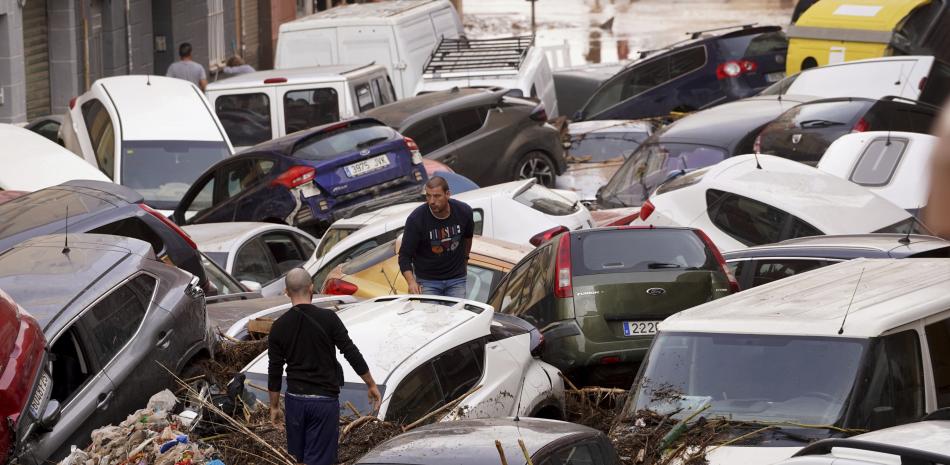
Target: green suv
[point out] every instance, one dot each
(598, 294)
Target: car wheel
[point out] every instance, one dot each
(536, 165)
(199, 392)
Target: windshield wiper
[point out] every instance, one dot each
(370, 142)
(818, 123)
(659, 265)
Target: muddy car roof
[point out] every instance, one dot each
(728, 124)
(44, 280)
(409, 110)
(472, 442)
(878, 295)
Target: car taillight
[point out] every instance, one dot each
(414, 150)
(733, 284)
(275, 80)
(539, 113)
(562, 285)
(735, 68)
(544, 236)
(72, 102)
(295, 176)
(335, 286)
(646, 210)
(922, 84)
(170, 224)
(609, 360)
(861, 126)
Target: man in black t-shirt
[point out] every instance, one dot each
(433, 256)
(303, 339)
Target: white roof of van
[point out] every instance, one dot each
(891, 293)
(364, 14)
(32, 162)
(304, 75)
(160, 108)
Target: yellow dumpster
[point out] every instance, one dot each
(833, 31)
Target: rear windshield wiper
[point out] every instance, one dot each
(818, 123)
(659, 265)
(370, 142)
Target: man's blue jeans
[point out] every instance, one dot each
(444, 287)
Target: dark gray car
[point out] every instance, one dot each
(763, 264)
(102, 208)
(472, 442)
(113, 316)
(696, 141)
(482, 134)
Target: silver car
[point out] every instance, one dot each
(114, 318)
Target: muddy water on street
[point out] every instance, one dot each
(637, 25)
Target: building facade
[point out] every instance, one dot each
(53, 50)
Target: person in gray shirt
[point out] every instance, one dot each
(187, 69)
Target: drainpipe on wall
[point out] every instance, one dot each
(85, 45)
(128, 32)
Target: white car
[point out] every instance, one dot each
(514, 212)
(257, 254)
(31, 162)
(151, 133)
(894, 165)
(923, 442)
(860, 345)
(425, 351)
(912, 77)
(739, 205)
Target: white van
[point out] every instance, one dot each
(858, 346)
(509, 62)
(260, 106)
(399, 35)
(154, 134)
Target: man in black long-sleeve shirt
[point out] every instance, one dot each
(304, 340)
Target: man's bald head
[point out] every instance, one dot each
(298, 283)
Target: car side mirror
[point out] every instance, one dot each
(252, 286)
(883, 417)
(50, 415)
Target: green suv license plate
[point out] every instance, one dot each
(639, 328)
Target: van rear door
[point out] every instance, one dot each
(371, 43)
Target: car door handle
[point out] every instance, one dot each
(164, 338)
(104, 399)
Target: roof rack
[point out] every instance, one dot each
(464, 55)
(824, 446)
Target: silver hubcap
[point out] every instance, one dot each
(539, 169)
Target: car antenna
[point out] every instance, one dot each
(906, 239)
(148, 79)
(66, 233)
(758, 165)
(841, 329)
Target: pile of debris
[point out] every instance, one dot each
(150, 436)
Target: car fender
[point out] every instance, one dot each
(543, 387)
(536, 138)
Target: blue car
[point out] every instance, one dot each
(309, 178)
(700, 72)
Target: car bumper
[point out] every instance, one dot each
(572, 350)
(323, 210)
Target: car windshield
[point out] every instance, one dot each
(766, 378)
(546, 201)
(604, 146)
(162, 171)
(331, 238)
(607, 251)
(651, 165)
(348, 138)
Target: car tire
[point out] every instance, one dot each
(195, 376)
(538, 165)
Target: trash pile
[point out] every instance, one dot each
(150, 436)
